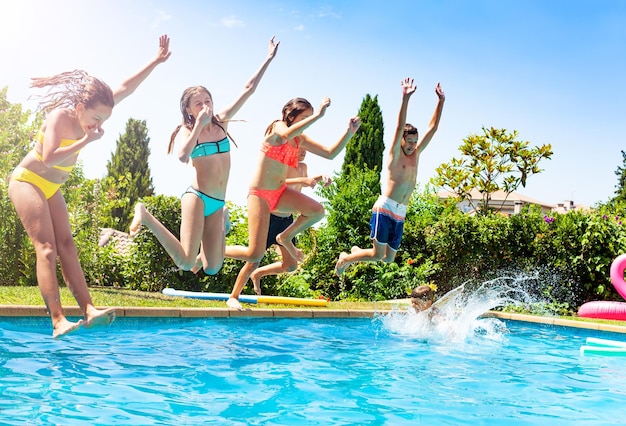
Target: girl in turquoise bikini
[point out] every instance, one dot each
(203, 139)
(74, 112)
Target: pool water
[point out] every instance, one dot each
(305, 371)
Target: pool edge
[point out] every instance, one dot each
(28, 310)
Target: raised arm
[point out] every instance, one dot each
(408, 88)
(281, 132)
(434, 121)
(228, 112)
(331, 152)
(129, 86)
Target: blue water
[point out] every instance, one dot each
(302, 371)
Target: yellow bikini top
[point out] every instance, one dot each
(64, 142)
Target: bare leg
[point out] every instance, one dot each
(310, 212)
(258, 225)
(70, 265)
(256, 281)
(242, 279)
(184, 252)
(287, 264)
(213, 242)
(198, 264)
(376, 253)
(34, 212)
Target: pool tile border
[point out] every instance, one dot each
(28, 310)
(73, 311)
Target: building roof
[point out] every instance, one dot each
(499, 196)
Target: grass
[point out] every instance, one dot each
(109, 296)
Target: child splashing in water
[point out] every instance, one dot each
(203, 138)
(75, 105)
(269, 192)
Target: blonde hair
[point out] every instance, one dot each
(68, 89)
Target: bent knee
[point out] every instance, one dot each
(186, 263)
(256, 257)
(290, 266)
(212, 270)
(319, 211)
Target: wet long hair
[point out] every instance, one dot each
(189, 120)
(291, 110)
(68, 89)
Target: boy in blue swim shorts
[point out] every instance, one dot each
(389, 211)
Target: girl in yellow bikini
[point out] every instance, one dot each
(203, 138)
(269, 192)
(74, 116)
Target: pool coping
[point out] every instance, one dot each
(30, 310)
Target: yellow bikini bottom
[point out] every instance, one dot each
(24, 175)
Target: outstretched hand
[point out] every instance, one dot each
(164, 49)
(439, 92)
(273, 48)
(354, 124)
(325, 104)
(408, 88)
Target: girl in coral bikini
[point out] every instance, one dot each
(269, 192)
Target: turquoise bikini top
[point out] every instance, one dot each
(205, 149)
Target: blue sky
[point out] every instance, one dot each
(552, 70)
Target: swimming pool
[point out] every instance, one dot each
(304, 371)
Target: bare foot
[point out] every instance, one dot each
(135, 225)
(99, 317)
(288, 245)
(64, 327)
(233, 303)
(256, 280)
(198, 265)
(342, 264)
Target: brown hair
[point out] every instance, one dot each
(409, 129)
(189, 120)
(71, 88)
(291, 110)
(422, 292)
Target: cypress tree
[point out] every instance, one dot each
(365, 149)
(128, 173)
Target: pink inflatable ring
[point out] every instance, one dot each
(609, 310)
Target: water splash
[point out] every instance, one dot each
(458, 315)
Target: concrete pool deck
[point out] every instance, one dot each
(28, 310)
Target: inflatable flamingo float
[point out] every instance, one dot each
(605, 309)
